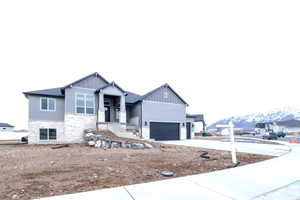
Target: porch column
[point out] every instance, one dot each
(101, 110)
(122, 110)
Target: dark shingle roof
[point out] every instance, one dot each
(54, 92)
(132, 97)
(197, 118)
(5, 125)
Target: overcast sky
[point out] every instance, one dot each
(223, 57)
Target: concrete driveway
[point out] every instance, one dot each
(264, 149)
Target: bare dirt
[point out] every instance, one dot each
(33, 171)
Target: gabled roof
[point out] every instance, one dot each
(6, 125)
(163, 86)
(86, 77)
(132, 97)
(54, 92)
(110, 84)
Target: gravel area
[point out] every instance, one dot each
(33, 171)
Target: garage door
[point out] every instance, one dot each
(164, 131)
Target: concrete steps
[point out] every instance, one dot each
(117, 129)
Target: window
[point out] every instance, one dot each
(85, 104)
(43, 134)
(47, 134)
(52, 134)
(166, 95)
(48, 104)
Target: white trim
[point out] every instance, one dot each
(85, 106)
(47, 110)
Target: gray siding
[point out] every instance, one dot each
(91, 82)
(163, 112)
(159, 96)
(70, 98)
(134, 114)
(35, 112)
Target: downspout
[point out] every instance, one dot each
(97, 111)
(141, 120)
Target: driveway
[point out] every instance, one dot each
(263, 149)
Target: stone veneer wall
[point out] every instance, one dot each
(75, 126)
(34, 131)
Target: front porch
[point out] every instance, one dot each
(111, 107)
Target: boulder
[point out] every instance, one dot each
(137, 146)
(148, 146)
(92, 143)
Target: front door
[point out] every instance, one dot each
(107, 113)
(188, 130)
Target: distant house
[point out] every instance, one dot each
(6, 127)
(289, 126)
(266, 128)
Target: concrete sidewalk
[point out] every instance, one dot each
(277, 178)
(264, 149)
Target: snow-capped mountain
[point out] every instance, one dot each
(248, 121)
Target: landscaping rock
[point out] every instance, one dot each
(91, 143)
(137, 146)
(148, 146)
(98, 144)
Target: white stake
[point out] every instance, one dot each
(233, 151)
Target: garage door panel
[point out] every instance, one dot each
(164, 131)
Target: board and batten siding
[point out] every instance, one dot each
(93, 82)
(159, 96)
(35, 112)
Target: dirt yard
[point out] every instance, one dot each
(38, 171)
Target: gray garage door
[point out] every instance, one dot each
(164, 131)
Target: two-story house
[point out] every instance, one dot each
(60, 115)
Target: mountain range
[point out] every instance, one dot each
(248, 121)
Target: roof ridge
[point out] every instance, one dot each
(93, 74)
(156, 89)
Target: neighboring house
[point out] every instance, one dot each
(289, 126)
(267, 127)
(60, 115)
(6, 127)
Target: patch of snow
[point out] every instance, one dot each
(10, 135)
